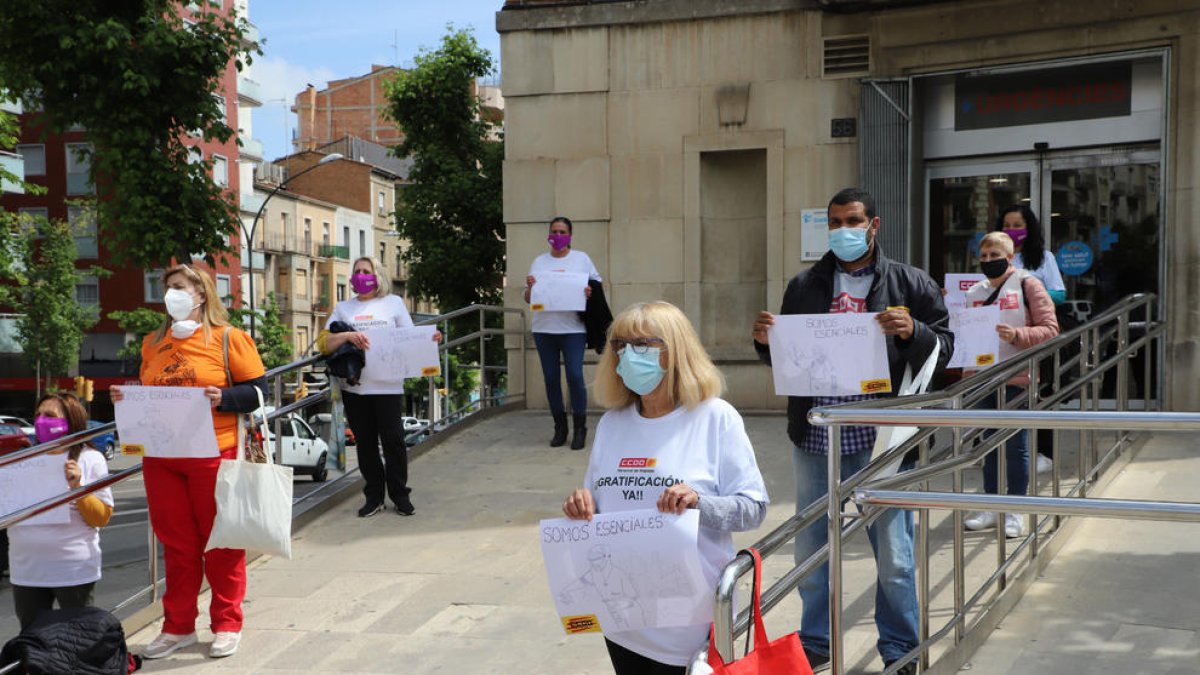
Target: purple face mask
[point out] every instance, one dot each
(49, 428)
(559, 241)
(1018, 235)
(363, 283)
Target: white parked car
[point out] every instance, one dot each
(26, 427)
(299, 447)
(412, 424)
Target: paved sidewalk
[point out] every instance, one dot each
(1121, 595)
(457, 588)
(460, 587)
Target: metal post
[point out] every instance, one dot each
(923, 556)
(482, 360)
(1123, 364)
(278, 428)
(960, 593)
(1001, 488)
(1085, 355)
(1097, 383)
(1056, 439)
(152, 547)
(834, 512)
(1031, 445)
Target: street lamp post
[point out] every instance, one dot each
(332, 157)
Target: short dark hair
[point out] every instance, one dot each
(565, 221)
(853, 194)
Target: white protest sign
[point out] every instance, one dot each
(976, 342)
(829, 355)
(957, 286)
(33, 481)
(396, 354)
(626, 570)
(170, 422)
(814, 234)
(559, 292)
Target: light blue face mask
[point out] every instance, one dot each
(848, 243)
(640, 372)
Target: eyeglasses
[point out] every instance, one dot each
(639, 345)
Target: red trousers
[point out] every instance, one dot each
(179, 493)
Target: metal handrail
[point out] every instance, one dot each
(947, 409)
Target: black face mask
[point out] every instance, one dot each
(994, 268)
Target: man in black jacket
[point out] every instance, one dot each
(855, 276)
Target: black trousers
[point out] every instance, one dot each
(377, 421)
(30, 601)
(626, 662)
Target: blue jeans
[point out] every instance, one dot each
(571, 346)
(891, 536)
(1016, 454)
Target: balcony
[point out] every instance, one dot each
(252, 149)
(250, 34)
(249, 92)
(250, 202)
(14, 164)
(331, 251)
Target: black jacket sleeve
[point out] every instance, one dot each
(931, 324)
(240, 398)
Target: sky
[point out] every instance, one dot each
(317, 41)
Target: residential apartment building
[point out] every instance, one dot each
(349, 107)
(60, 164)
(695, 143)
(365, 181)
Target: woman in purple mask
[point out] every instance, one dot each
(562, 333)
(374, 410)
(60, 562)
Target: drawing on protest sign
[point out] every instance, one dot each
(400, 353)
(976, 342)
(165, 422)
(626, 570)
(829, 355)
(32, 481)
(559, 292)
(957, 286)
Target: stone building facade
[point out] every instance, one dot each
(695, 143)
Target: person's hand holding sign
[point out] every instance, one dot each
(678, 498)
(896, 321)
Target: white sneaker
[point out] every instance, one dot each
(1044, 464)
(167, 644)
(980, 520)
(224, 644)
(1014, 525)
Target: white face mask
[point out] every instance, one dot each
(179, 303)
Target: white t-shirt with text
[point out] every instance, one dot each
(52, 556)
(561, 322)
(634, 459)
(386, 312)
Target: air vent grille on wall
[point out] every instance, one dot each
(846, 56)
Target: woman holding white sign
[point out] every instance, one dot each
(61, 562)
(197, 347)
(562, 332)
(1026, 319)
(668, 442)
(375, 406)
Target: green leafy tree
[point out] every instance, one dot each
(452, 211)
(51, 325)
(12, 271)
(139, 322)
(140, 80)
(274, 340)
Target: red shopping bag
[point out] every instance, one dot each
(783, 656)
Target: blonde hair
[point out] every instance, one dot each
(998, 240)
(383, 284)
(691, 376)
(212, 310)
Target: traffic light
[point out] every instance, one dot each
(79, 386)
(87, 390)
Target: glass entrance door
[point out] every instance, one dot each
(963, 201)
(1104, 225)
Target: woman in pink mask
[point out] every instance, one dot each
(562, 333)
(61, 562)
(375, 410)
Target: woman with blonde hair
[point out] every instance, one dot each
(374, 408)
(197, 347)
(662, 394)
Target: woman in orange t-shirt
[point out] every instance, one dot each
(187, 351)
